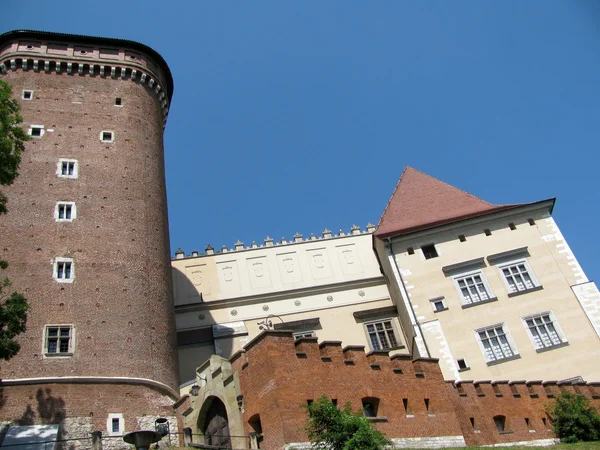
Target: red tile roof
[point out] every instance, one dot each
(421, 201)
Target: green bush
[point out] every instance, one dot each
(329, 427)
(574, 419)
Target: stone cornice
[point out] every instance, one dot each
(92, 380)
(274, 296)
(94, 67)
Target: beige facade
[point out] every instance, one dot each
(547, 316)
(329, 287)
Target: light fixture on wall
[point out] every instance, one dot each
(267, 323)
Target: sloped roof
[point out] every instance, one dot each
(421, 201)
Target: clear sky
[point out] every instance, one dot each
(299, 115)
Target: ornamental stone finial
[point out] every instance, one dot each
(370, 227)
(194, 252)
(297, 237)
(355, 229)
(209, 250)
(239, 245)
(269, 241)
(179, 254)
(326, 233)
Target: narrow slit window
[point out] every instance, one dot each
(115, 425)
(118, 101)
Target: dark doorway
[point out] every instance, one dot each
(216, 427)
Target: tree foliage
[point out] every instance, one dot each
(13, 306)
(574, 419)
(12, 138)
(329, 427)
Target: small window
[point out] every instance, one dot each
(512, 226)
(487, 232)
(107, 136)
(531, 222)
(305, 334)
(405, 404)
(67, 168)
(36, 131)
(462, 238)
(429, 251)
(382, 335)
(500, 422)
(473, 288)
(428, 406)
(370, 406)
(544, 331)
(462, 364)
(115, 424)
(497, 344)
(65, 211)
(118, 101)
(64, 270)
(58, 340)
(27, 95)
(438, 304)
(410, 250)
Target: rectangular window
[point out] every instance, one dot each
(107, 136)
(518, 276)
(36, 131)
(59, 339)
(65, 211)
(462, 364)
(544, 331)
(27, 94)
(64, 270)
(496, 343)
(429, 251)
(381, 335)
(473, 288)
(438, 304)
(305, 334)
(115, 425)
(67, 168)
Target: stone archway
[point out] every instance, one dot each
(215, 426)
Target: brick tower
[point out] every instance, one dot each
(87, 236)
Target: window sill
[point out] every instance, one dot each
(63, 280)
(58, 355)
(547, 349)
(482, 302)
(377, 419)
(464, 370)
(526, 291)
(440, 310)
(503, 360)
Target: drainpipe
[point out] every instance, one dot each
(405, 293)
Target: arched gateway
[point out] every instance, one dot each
(216, 426)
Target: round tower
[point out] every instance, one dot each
(86, 236)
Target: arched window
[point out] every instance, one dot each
(216, 426)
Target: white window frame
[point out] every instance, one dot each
(65, 204)
(554, 322)
(436, 301)
(42, 131)
(394, 330)
(109, 427)
(494, 359)
(67, 161)
(530, 273)
(112, 136)
(471, 274)
(59, 354)
(304, 334)
(30, 92)
(55, 265)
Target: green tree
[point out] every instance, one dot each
(329, 427)
(13, 306)
(574, 419)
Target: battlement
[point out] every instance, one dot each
(270, 242)
(525, 389)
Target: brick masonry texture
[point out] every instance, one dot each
(120, 302)
(278, 375)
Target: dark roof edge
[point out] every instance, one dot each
(20, 34)
(499, 208)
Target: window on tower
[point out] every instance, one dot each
(58, 340)
(64, 270)
(67, 168)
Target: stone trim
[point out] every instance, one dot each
(516, 253)
(298, 324)
(465, 266)
(92, 380)
(376, 313)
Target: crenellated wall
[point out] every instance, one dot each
(276, 376)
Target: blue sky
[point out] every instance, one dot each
(296, 116)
